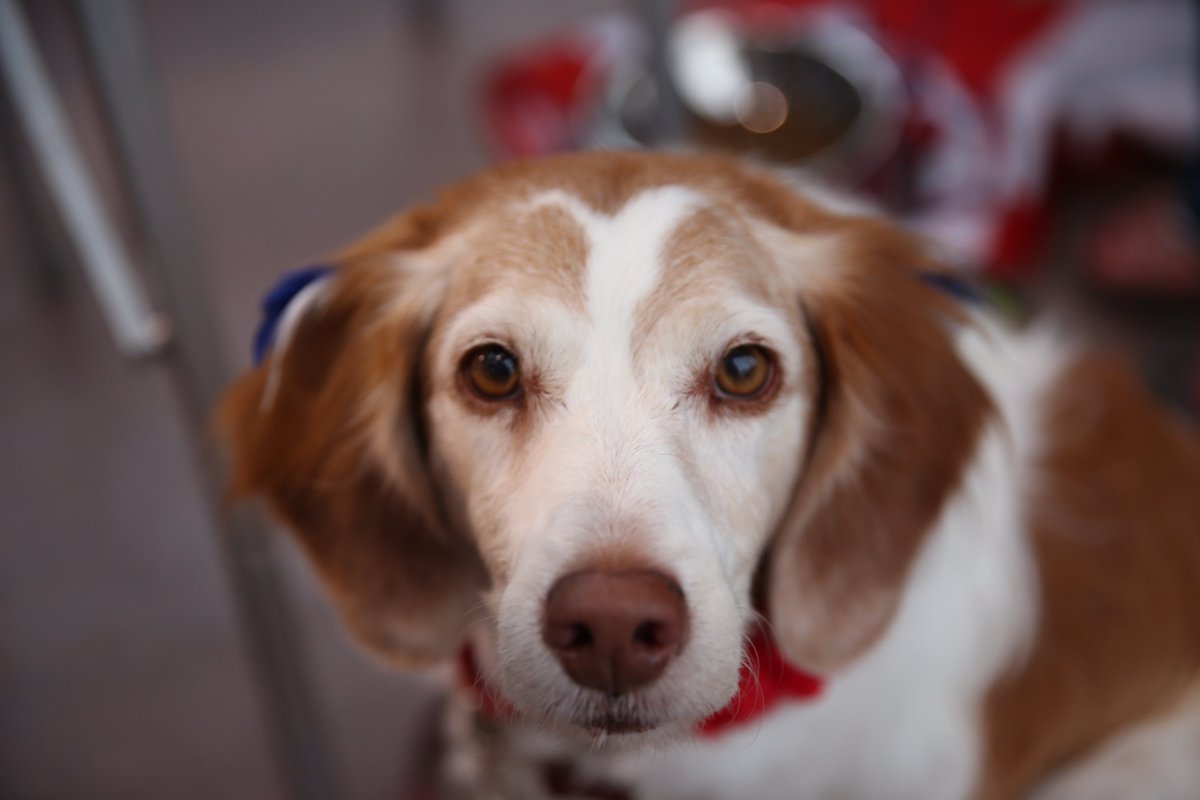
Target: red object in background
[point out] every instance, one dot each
(531, 99)
(993, 86)
(1021, 231)
(978, 37)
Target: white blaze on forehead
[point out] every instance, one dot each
(604, 434)
(627, 252)
(625, 249)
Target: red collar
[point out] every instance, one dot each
(767, 679)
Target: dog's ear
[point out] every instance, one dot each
(329, 431)
(895, 417)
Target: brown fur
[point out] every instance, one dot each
(347, 381)
(540, 251)
(1115, 528)
(897, 418)
(710, 254)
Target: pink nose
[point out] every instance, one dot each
(615, 631)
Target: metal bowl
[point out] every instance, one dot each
(811, 90)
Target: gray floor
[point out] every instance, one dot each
(298, 125)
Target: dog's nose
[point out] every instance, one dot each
(615, 631)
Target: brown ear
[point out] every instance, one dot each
(895, 421)
(329, 431)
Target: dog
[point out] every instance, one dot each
(715, 487)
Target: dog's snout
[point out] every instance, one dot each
(615, 631)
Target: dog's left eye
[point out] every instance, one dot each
(744, 372)
(492, 372)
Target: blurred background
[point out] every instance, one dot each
(165, 161)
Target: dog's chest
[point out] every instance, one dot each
(899, 748)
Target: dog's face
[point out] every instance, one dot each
(599, 408)
(619, 393)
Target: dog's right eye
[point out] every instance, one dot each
(492, 372)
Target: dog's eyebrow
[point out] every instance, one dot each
(535, 247)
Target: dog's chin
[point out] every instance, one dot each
(615, 732)
(663, 713)
(620, 725)
(659, 716)
(604, 721)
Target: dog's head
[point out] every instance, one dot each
(606, 408)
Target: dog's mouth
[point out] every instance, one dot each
(614, 723)
(603, 716)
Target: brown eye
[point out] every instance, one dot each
(492, 372)
(744, 372)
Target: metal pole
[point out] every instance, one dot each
(134, 326)
(137, 123)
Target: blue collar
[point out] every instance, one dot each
(958, 287)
